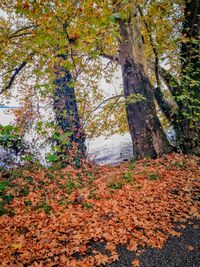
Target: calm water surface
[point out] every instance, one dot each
(102, 150)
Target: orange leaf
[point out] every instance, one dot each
(83, 248)
(190, 248)
(136, 263)
(107, 236)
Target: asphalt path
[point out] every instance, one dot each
(183, 251)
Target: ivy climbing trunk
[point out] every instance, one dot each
(188, 95)
(146, 131)
(67, 117)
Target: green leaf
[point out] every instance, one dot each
(3, 185)
(112, 19)
(52, 158)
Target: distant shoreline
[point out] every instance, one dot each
(7, 107)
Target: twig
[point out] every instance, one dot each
(166, 109)
(102, 103)
(110, 57)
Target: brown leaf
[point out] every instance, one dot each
(83, 248)
(107, 236)
(190, 248)
(136, 263)
(195, 226)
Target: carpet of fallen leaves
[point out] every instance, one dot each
(58, 216)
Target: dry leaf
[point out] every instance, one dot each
(136, 263)
(190, 248)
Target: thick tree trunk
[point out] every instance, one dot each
(146, 131)
(190, 50)
(66, 114)
(188, 95)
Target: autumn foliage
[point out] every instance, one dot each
(56, 217)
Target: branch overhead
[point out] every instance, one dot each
(14, 75)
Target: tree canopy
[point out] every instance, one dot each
(34, 35)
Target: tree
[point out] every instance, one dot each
(188, 96)
(50, 29)
(177, 43)
(146, 131)
(66, 113)
(86, 31)
(32, 34)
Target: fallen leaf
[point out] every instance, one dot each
(190, 248)
(107, 236)
(83, 248)
(136, 263)
(16, 245)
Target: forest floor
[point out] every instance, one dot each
(143, 213)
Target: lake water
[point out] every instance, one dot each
(112, 150)
(102, 150)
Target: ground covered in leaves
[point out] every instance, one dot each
(59, 217)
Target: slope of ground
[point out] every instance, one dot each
(88, 217)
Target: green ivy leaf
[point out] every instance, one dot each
(52, 158)
(3, 185)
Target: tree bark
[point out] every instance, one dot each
(66, 114)
(146, 131)
(188, 95)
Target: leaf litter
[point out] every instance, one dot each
(58, 217)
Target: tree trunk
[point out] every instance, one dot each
(188, 96)
(66, 113)
(146, 131)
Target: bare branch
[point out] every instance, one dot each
(110, 57)
(24, 29)
(20, 35)
(169, 80)
(102, 103)
(167, 77)
(156, 65)
(164, 106)
(16, 72)
(9, 71)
